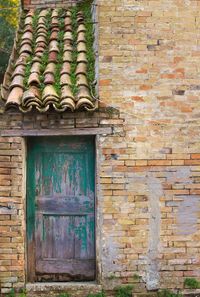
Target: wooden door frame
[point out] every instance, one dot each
(98, 215)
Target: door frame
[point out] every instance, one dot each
(97, 211)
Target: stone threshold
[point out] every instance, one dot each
(65, 286)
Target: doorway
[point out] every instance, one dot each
(61, 209)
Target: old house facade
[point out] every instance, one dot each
(101, 187)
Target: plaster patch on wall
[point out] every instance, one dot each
(110, 256)
(152, 272)
(181, 175)
(187, 215)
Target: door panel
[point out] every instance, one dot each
(60, 208)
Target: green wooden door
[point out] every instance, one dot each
(60, 209)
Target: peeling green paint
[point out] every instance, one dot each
(81, 231)
(92, 228)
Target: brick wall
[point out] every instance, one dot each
(13, 183)
(11, 213)
(150, 71)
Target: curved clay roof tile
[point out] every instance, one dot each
(39, 50)
(49, 92)
(55, 13)
(41, 38)
(28, 20)
(67, 57)
(35, 67)
(19, 70)
(53, 46)
(43, 12)
(41, 27)
(66, 68)
(68, 103)
(82, 57)
(42, 31)
(53, 57)
(18, 81)
(81, 37)
(54, 35)
(81, 47)
(26, 41)
(81, 68)
(30, 12)
(67, 46)
(51, 68)
(65, 79)
(26, 48)
(85, 103)
(66, 93)
(31, 95)
(22, 59)
(34, 79)
(81, 28)
(41, 21)
(67, 21)
(83, 92)
(82, 80)
(49, 79)
(27, 35)
(28, 28)
(15, 96)
(68, 35)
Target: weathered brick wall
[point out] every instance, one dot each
(149, 69)
(11, 213)
(13, 183)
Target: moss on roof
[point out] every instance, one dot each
(54, 61)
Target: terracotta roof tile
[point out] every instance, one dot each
(65, 79)
(40, 73)
(81, 68)
(15, 96)
(49, 79)
(17, 81)
(34, 79)
(35, 67)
